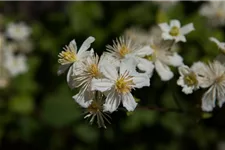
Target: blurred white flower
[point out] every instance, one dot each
(118, 85)
(174, 31)
(72, 58)
(221, 45)
(188, 79)
(163, 58)
(215, 12)
(15, 64)
(212, 76)
(18, 31)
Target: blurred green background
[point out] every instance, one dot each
(37, 111)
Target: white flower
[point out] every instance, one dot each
(174, 31)
(163, 58)
(188, 79)
(215, 12)
(212, 76)
(118, 85)
(89, 70)
(15, 64)
(125, 47)
(18, 31)
(72, 58)
(221, 45)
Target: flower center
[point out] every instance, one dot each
(123, 51)
(190, 79)
(93, 70)
(220, 79)
(67, 56)
(123, 84)
(174, 31)
(94, 107)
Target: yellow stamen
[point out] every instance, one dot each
(174, 31)
(123, 84)
(190, 79)
(67, 56)
(94, 107)
(93, 70)
(123, 51)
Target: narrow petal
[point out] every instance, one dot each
(187, 28)
(73, 46)
(221, 45)
(163, 70)
(129, 102)
(146, 50)
(112, 102)
(164, 27)
(208, 99)
(69, 78)
(101, 85)
(128, 65)
(220, 97)
(86, 45)
(175, 23)
(63, 68)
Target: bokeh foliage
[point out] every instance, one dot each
(37, 110)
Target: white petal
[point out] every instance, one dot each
(188, 89)
(112, 102)
(175, 23)
(220, 97)
(73, 46)
(187, 28)
(183, 70)
(101, 84)
(145, 65)
(128, 65)
(164, 27)
(208, 99)
(86, 45)
(80, 99)
(180, 38)
(141, 80)
(146, 50)
(69, 78)
(175, 60)
(109, 71)
(163, 70)
(167, 36)
(221, 45)
(63, 68)
(129, 102)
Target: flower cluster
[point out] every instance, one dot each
(106, 82)
(14, 44)
(210, 76)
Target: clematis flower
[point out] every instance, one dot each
(212, 76)
(72, 58)
(221, 45)
(188, 79)
(174, 31)
(125, 47)
(118, 84)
